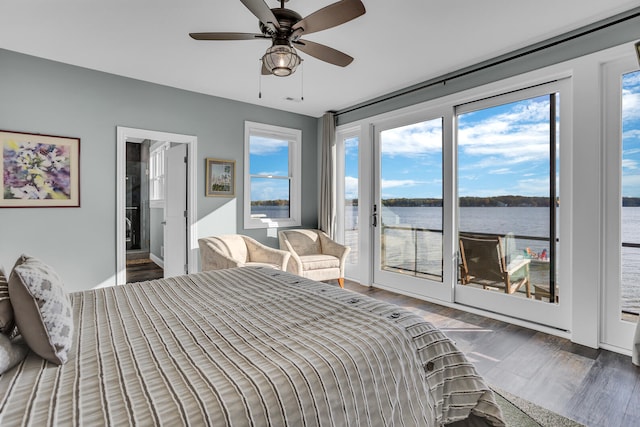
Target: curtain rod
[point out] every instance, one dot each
(546, 44)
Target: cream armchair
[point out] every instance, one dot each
(314, 255)
(236, 250)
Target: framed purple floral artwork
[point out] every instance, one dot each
(39, 170)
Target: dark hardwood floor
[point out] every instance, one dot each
(143, 269)
(594, 387)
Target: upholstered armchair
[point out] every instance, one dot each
(314, 255)
(236, 250)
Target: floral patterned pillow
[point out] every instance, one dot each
(42, 309)
(6, 310)
(11, 353)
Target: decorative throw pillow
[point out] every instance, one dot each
(11, 352)
(42, 309)
(6, 311)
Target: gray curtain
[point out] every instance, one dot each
(327, 208)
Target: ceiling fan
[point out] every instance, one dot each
(285, 27)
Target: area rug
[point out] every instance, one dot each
(519, 412)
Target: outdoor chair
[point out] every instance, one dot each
(483, 262)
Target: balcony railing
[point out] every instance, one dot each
(417, 251)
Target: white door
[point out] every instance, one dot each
(410, 217)
(175, 220)
(621, 304)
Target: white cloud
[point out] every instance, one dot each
(517, 136)
(263, 189)
(272, 173)
(631, 97)
(350, 187)
(393, 183)
(631, 185)
(629, 164)
(261, 146)
(501, 171)
(413, 140)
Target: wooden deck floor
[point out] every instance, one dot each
(594, 387)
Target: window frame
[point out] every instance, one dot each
(294, 137)
(157, 174)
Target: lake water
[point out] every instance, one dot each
(521, 221)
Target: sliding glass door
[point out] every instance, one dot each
(622, 201)
(508, 152)
(408, 210)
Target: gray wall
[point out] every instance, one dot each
(42, 96)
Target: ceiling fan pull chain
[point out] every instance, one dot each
(260, 81)
(302, 81)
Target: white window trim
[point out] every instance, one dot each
(294, 136)
(159, 149)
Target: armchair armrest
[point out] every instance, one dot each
(295, 263)
(263, 253)
(331, 247)
(212, 259)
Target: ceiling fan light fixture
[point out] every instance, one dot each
(281, 60)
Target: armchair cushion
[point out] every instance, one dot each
(318, 262)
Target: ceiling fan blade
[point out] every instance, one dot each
(324, 53)
(260, 9)
(226, 36)
(331, 16)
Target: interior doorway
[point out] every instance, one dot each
(156, 204)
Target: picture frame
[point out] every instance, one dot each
(39, 171)
(220, 178)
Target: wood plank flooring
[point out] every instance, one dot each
(143, 270)
(594, 387)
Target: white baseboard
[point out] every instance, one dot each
(157, 260)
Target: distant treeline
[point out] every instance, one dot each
(483, 202)
(496, 201)
(279, 202)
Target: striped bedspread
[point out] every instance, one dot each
(246, 347)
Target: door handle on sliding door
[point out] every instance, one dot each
(375, 215)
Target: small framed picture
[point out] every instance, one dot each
(221, 178)
(39, 171)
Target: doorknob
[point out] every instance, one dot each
(164, 223)
(375, 215)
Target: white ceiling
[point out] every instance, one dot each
(395, 44)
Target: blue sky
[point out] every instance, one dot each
(502, 150)
(631, 135)
(269, 156)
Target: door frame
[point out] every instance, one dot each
(124, 133)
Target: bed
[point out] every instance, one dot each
(246, 347)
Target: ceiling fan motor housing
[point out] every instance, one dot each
(287, 18)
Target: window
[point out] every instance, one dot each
(410, 199)
(272, 176)
(157, 174)
(508, 184)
